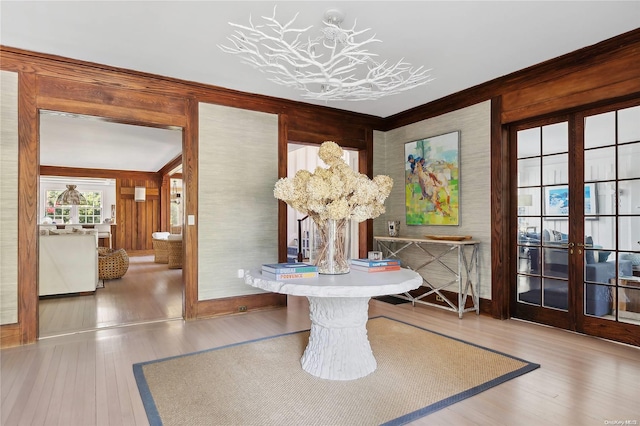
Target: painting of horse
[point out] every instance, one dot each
(432, 176)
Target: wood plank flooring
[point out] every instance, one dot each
(86, 378)
(147, 292)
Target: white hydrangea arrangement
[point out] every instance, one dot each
(338, 192)
(332, 198)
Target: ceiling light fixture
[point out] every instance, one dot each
(332, 66)
(71, 196)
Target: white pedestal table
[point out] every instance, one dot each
(338, 347)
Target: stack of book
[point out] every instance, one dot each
(382, 265)
(289, 271)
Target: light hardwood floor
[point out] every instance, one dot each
(147, 292)
(86, 378)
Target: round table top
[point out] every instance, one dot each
(353, 284)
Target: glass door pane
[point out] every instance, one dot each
(612, 222)
(542, 216)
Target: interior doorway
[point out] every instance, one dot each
(148, 291)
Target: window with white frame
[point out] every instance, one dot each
(61, 214)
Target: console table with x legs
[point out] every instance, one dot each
(466, 275)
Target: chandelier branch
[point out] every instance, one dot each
(331, 66)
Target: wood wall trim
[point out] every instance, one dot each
(10, 335)
(230, 305)
(120, 114)
(167, 168)
(500, 214)
(283, 164)
(591, 97)
(365, 166)
(611, 72)
(98, 173)
(59, 94)
(165, 204)
(56, 88)
(190, 207)
(28, 187)
(128, 192)
(304, 127)
(165, 198)
(119, 231)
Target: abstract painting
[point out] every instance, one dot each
(432, 180)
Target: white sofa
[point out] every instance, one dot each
(68, 263)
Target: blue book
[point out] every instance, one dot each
(373, 263)
(288, 268)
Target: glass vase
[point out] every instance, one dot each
(331, 246)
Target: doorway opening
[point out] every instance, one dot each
(106, 160)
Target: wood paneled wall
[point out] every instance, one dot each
(61, 84)
(137, 220)
(599, 73)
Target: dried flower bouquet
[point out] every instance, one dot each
(337, 193)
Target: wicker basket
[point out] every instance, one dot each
(161, 250)
(175, 254)
(112, 263)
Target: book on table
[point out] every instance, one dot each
(289, 275)
(370, 262)
(288, 268)
(386, 268)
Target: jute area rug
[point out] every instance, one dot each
(262, 383)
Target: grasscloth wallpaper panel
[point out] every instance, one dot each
(237, 212)
(9, 198)
(475, 183)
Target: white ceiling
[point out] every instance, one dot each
(87, 142)
(464, 42)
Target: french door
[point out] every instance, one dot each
(576, 224)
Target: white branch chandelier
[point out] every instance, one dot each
(332, 66)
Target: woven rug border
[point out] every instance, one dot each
(155, 420)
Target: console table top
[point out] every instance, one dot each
(425, 240)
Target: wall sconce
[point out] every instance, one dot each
(140, 193)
